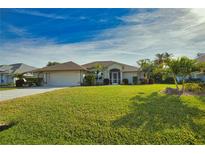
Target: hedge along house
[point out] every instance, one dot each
(65, 74)
(8, 73)
(114, 71)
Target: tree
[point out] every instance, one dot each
(98, 69)
(181, 67)
(200, 66)
(167, 57)
(52, 63)
(162, 58)
(159, 58)
(146, 66)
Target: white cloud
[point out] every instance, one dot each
(16, 30)
(178, 31)
(40, 14)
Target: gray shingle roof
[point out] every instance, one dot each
(18, 68)
(201, 57)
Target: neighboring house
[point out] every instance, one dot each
(72, 74)
(201, 57)
(114, 71)
(65, 74)
(8, 72)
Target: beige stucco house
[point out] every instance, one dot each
(114, 71)
(65, 74)
(72, 74)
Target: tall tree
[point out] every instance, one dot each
(159, 58)
(167, 57)
(162, 58)
(160, 61)
(146, 66)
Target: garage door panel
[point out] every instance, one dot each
(64, 78)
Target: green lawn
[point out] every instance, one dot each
(104, 115)
(1, 89)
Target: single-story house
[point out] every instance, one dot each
(8, 72)
(65, 74)
(115, 71)
(72, 74)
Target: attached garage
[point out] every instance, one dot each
(65, 74)
(64, 78)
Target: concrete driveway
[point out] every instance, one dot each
(15, 93)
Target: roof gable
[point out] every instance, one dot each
(126, 68)
(17, 68)
(68, 66)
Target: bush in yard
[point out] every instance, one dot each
(168, 80)
(125, 81)
(151, 81)
(19, 83)
(34, 81)
(39, 81)
(194, 87)
(143, 81)
(90, 80)
(135, 80)
(106, 81)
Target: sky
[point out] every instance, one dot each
(36, 36)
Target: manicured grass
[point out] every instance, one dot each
(104, 115)
(1, 89)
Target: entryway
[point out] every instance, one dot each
(115, 76)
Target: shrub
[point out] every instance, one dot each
(34, 81)
(135, 80)
(125, 81)
(151, 81)
(168, 80)
(7, 85)
(39, 81)
(89, 80)
(106, 81)
(19, 83)
(194, 87)
(143, 81)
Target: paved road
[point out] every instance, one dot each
(15, 93)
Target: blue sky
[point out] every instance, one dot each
(36, 36)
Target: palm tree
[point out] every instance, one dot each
(162, 58)
(167, 57)
(159, 58)
(182, 67)
(98, 69)
(146, 66)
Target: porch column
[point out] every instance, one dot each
(120, 76)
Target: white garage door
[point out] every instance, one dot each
(64, 78)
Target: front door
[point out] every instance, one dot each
(114, 77)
